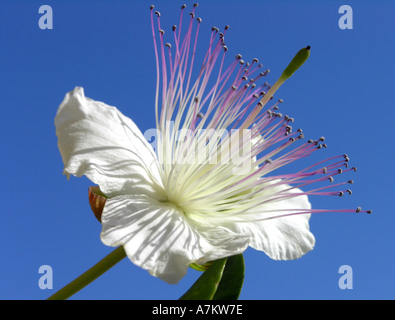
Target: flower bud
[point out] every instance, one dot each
(97, 200)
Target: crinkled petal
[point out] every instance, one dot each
(156, 235)
(224, 240)
(282, 238)
(98, 141)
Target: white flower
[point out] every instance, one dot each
(190, 201)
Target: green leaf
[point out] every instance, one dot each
(205, 287)
(232, 279)
(223, 280)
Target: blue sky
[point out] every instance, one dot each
(344, 92)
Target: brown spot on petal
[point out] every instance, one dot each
(97, 200)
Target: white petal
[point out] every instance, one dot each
(155, 235)
(283, 238)
(225, 241)
(98, 141)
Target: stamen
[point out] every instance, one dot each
(194, 105)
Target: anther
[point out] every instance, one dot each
(358, 209)
(341, 193)
(260, 65)
(214, 29)
(192, 15)
(174, 28)
(196, 99)
(162, 32)
(350, 181)
(324, 170)
(255, 95)
(183, 6)
(349, 191)
(324, 145)
(246, 86)
(200, 115)
(168, 45)
(321, 139)
(244, 78)
(157, 13)
(234, 87)
(369, 211)
(260, 104)
(199, 20)
(241, 61)
(227, 27)
(255, 60)
(238, 56)
(280, 100)
(225, 48)
(195, 5)
(340, 171)
(151, 6)
(301, 136)
(354, 168)
(331, 179)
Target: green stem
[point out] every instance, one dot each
(87, 277)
